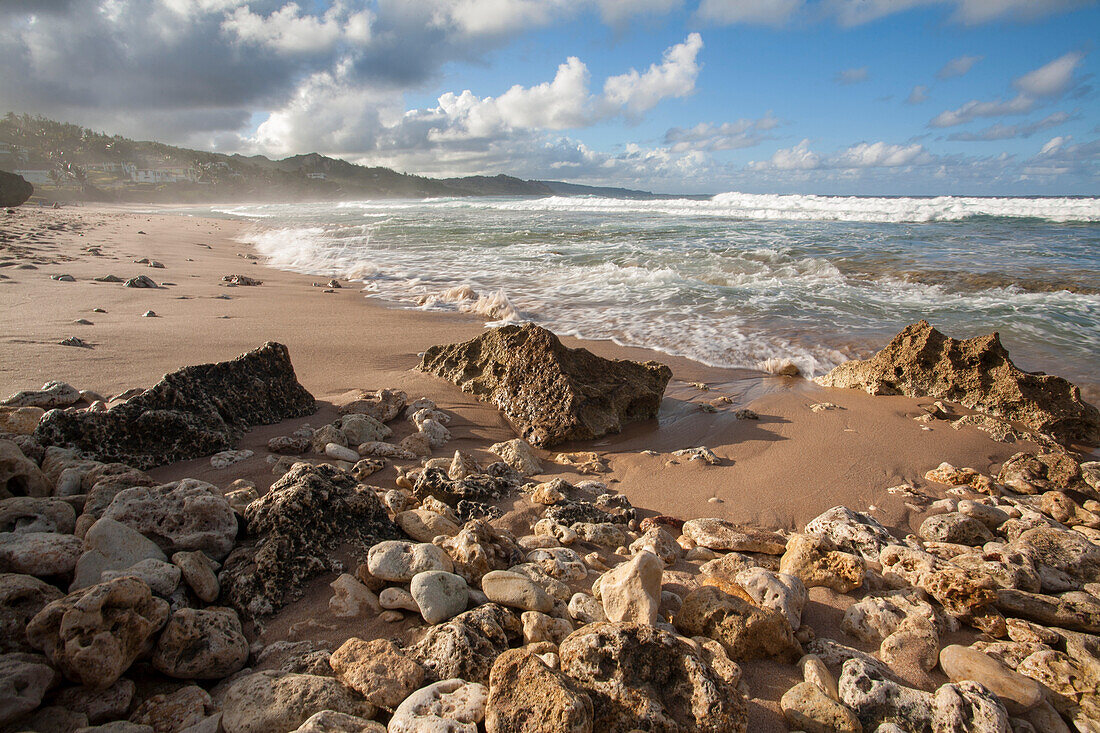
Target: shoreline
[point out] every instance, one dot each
(809, 449)
(341, 341)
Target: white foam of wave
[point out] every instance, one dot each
(496, 306)
(799, 207)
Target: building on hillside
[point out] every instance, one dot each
(316, 176)
(35, 176)
(161, 174)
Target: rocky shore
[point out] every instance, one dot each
(480, 595)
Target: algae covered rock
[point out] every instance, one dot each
(298, 523)
(978, 374)
(550, 392)
(196, 411)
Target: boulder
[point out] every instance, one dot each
(198, 572)
(466, 646)
(178, 516)
(20, 420)
(278, 702)
(641, 677)
(93, 635)
(299, 523)
(206, 644)
(1077, 611)
(330, 721)
(559, 562)
(196, 411)
(550, 392)
(1026, 473)
(424, 526)
(956, 528)
(777, 591)
(526, 696)
(978, 374)
(350, 598)
(1071, 683)
(377, 670)
(162, 577)
(14, 189)
(448, 706)
(98, 705)
(21, 598)
(19, 475)
(852, 531)
(747, 632)
(515, 591)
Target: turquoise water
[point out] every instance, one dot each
(730, 281)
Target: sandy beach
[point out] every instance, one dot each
(776, 472)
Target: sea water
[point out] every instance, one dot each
(732, 280)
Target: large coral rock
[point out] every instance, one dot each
(876, 699)
(14, 189)
(551, 392)
(632, 591)
(299, 522)
(448, 706)
(642, 677)
(466, 646)
(206, 644)
(93, 635)
(196, 411)
(279, 702)
(746, 631)
(19, 475)
(978, 374)
(968, 706)
(526, 696)
(180, 516)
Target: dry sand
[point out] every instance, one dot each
(778, 471)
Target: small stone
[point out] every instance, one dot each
(515, 591)
(1017, 692)
(205, 644)
(631, 592)
(519, 454)
(424, 526)
(806, 707)
(227, 458)
(198, 573)
(281, 701)
(162, 577)
(817, 562)
(397, 598)
(399, 561)
(351, 599)
(341, 453)
(719, 534)
(440, 595)
(288, 445)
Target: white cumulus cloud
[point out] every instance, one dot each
(753, 12)
(1051, 79)
(675, 76)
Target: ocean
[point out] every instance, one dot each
(735, 280)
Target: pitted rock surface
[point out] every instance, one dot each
(308, 511)
(196, 411)
(978, 374)
(551, 392)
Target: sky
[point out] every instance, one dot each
(890, 97)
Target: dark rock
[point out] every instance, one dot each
(978, 374)
(569, 513)
(14, 189)
(551, 392)
(467, 510)
(141, 281)
(196, 411)
(308, 511)
(477, 487)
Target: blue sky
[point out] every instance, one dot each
(809, 96)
